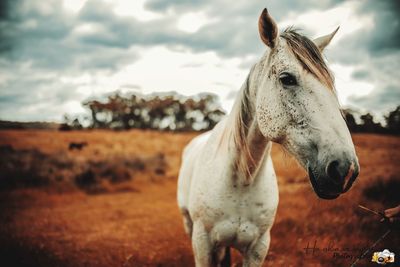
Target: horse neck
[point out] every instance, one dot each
(250, 146)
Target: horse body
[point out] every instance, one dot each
(217, 200)
(227, 187)
(221, 208)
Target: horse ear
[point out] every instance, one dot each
(323, 41)
(267, 29)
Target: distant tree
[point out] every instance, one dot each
(369, 125)
(368, 122)
(70, 124)
(393, 121)
(350, 121)
(164, 112)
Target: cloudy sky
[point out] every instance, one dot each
(54, 54)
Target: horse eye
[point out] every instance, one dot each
(287, 79)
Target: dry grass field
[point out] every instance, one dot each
(112, 203)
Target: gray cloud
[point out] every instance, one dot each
(241, 8)
(234, 31)
(24, 99)
(50, 43)
(385, 37)
(38, 47)
(377, 50)
(228, 34)
(382, 99)
(360, 74)
(382, 72)
(7, 19)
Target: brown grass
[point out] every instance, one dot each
(50, 216)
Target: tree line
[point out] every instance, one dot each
(170, 111)
(175, 112)
(368, 125)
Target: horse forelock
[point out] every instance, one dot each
(309, 56)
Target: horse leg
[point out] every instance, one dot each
(255, 255)
(202, 248)
(187, 221)
(222, 257)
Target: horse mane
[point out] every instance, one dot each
(242, 120)
(237, 127)
(309, 55)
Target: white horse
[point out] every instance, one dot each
(227, 188)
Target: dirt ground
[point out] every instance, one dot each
(112, 203)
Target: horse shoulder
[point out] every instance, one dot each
(189, 156)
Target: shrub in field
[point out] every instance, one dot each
(32, 168)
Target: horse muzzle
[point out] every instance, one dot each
(334, 178)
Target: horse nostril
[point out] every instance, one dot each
(351, 176)
(333, 172)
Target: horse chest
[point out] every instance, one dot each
(236, 217)
(242, 221)
(232, 213)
